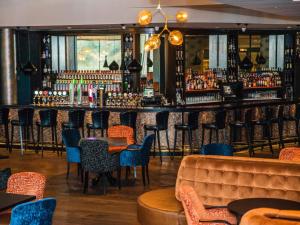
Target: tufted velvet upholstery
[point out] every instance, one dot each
(266, 216)
(4, 175)
(216, 149)
(121, 131)
(195, 210)
(291, 153)
(220, 180)
(34, 213)
(27, 183)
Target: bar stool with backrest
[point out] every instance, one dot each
(99, 122)
(48, 119)
(129, 119)
(25, 123)
(4, 121)
(248, 125)
(219, 124)
(190, 126)
(76, 120)
(162, 119)
(295, 118)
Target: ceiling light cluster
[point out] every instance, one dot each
(175, 37)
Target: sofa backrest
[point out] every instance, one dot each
(219, 180)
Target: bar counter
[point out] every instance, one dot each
(146, 115)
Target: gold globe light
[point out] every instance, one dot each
(148, 46)
(155, 41)
(145, 17)
(176, 37)
(181, 16)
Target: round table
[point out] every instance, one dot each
(241, 206)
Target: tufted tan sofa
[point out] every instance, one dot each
(265, 216)
(219, 180)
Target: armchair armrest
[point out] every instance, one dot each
(215, 221)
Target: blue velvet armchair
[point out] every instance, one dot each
(34, 213)
(217, 149)
(71, 138)
(138, 155)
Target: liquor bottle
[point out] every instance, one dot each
(71, 91)
(79, 92)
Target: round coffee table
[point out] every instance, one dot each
(241, 206)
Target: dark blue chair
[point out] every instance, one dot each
(34, 213)
(71, 138)
(138, 155)
(217, 149)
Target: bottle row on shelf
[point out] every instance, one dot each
(261, 79)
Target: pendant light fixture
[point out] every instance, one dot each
(175, 36)
(246, 63)
(123, 65)
(105, 65)
(197, 60)
(29, 67)
(260, 59)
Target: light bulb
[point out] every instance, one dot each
(181, 16)
(148, 46)
(155, 40)
(176, 37)
(144, 17)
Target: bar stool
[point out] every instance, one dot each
(4, 121)
(162, 119)
(25, 123)
(190, 126)
(76, 120)
(266, 123)
(99, 122)
(129, 119)
(219, 124)
(248, 125)
(295, 118)
(48, 119)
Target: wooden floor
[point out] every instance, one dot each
(76, 208)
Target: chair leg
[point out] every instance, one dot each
(42, 141)
(88, 132)
(269, 128)
(159, 147)
(297, 131)
(21, 139)
(217, 135)
(11, 138)
(68, 170)
(210, 135)
(38, 136)
(175, 141)
(127, 173)
(86, 181)
(52, 138)
(182, 143)
(147, 173)
(33, 139)
(7, 137)
(56, 142)
(190, 141)
(203, 133)
(168, 143)
(231, 135)
(143, 174)
(249, 140)
(154, 144)
(82, 130)
(280, 130)
(119, 177)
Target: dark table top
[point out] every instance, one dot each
(111, 141)
(8, 201)
(241, 206)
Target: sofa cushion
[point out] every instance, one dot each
(160, 207)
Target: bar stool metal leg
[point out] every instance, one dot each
(175, 142)
(12, 138)
(159, 146)
(182, 143)
(190, 140)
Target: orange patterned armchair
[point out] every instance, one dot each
(291, 153)
(27, 183)
(197, 214)
(121, 131)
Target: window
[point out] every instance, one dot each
(92, 50)
(145, 56)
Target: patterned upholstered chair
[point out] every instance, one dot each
(71, 138)
(4, 175)
(291, 153)
(27, 183)
(216, 149)
(95, 158)
(197, 214)
(37, 213)
(121, 131)
(138, 155)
